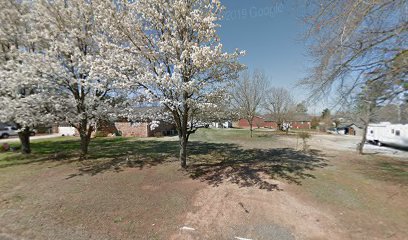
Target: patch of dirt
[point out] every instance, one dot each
(227, 211)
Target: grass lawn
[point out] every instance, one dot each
(259, 188)
(68, 147)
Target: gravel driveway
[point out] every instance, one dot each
(349, 143)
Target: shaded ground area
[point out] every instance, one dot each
(134, 189)
(252, 167)
(211, 162)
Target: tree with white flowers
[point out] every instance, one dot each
(85, 95)
(24, 99)
(169, 50)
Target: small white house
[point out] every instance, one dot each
(389, 134)
(66, 131)
(226, 124)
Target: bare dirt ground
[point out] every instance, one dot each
(229, 212)
(235, 188)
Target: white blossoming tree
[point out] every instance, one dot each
(170, 51)
(24, 99)
(72, 50)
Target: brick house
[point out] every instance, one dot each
(258, 122)
(143, 129)
(267, 121)
(123, 128)
(271, 124)
(143, 126)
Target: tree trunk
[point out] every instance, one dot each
(85, 135)
(366, 120)
(184, 134)
(85, 139)
(24, 136)
(183, 150)
(85, 131)
(360, 146)
(250, 127)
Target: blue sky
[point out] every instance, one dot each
(271, 34)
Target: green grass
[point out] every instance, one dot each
(399, 170)
(232, 135)
(211, 152)
(67, 148)
(328, 189)
(387, 170)
(214, 155)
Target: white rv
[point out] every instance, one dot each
(388, 134)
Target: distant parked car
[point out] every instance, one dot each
(8, 131)
(200, 125)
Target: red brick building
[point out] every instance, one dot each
(143, 126)
(297, 122)
(271, 124)
(143, 129)
(258, 122)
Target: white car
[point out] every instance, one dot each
(8, 131)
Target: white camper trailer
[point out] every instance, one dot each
(389, 134)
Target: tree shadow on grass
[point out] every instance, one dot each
(252, 167)
(213, 163)
(108, 156)
(104, 151)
